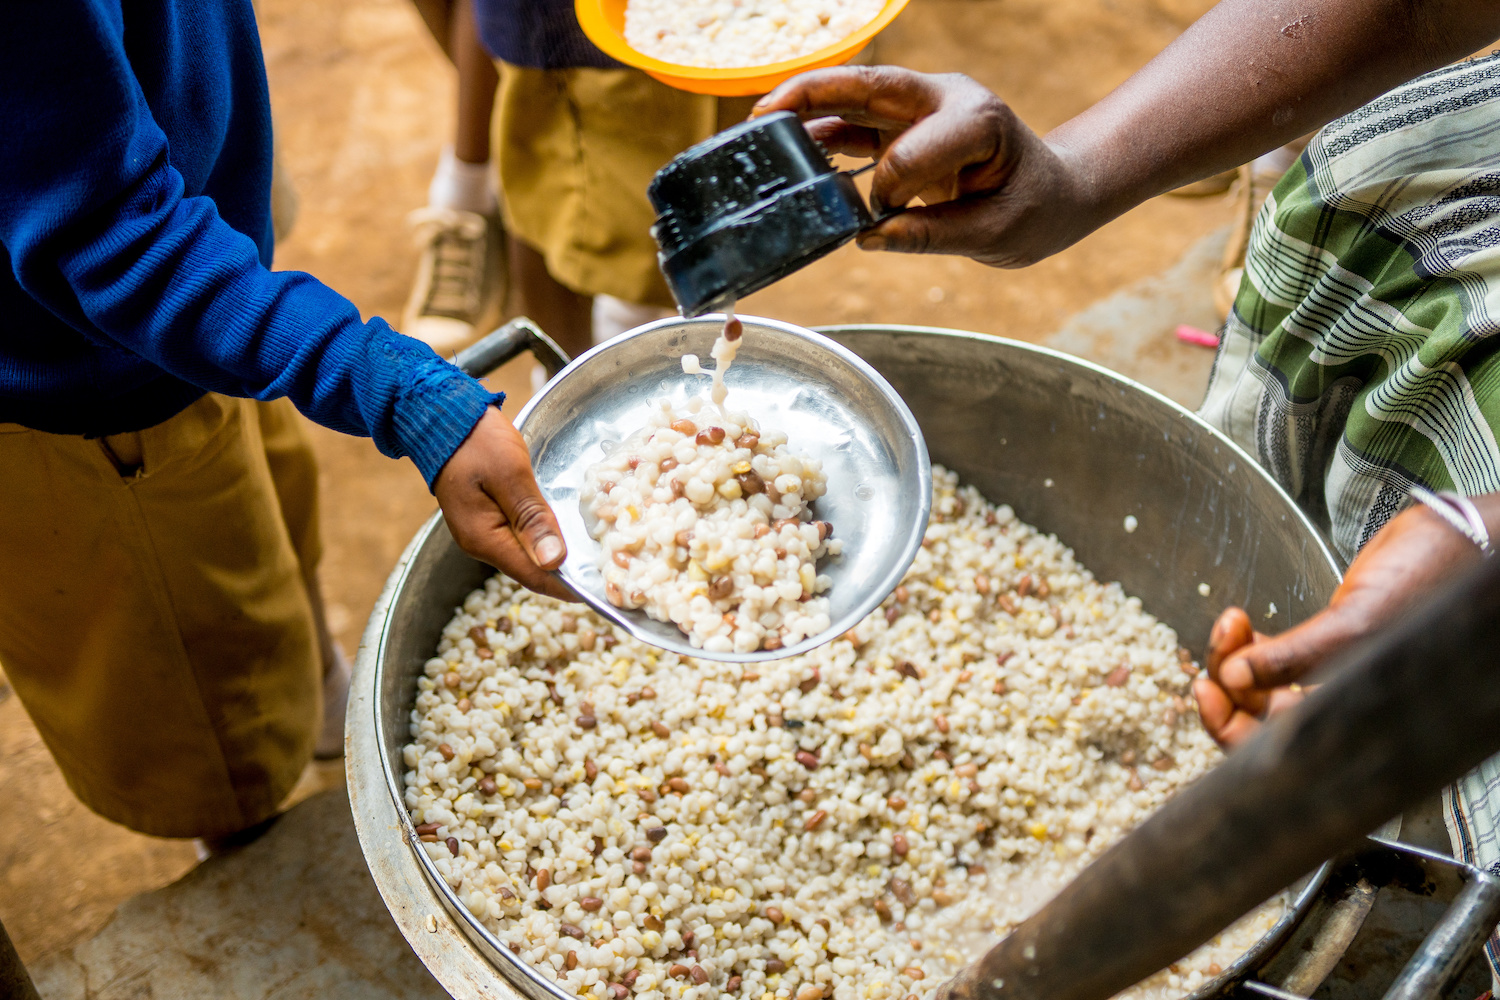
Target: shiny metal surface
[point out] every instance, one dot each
(830, 404)
(1007, 417)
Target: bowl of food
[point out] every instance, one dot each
(745, 512)
(733, 50)
(553, 809)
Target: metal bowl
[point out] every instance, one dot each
(832, 405)
(1072, 447)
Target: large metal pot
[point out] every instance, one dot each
(1073, 448)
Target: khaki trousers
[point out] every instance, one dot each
(154, 613)
(576, 150)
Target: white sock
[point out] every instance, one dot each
(464, 186)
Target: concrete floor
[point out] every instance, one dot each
(363, 102)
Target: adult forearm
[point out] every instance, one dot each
(1251, 75)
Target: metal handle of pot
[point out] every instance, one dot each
(1436, 966)
(511, 340)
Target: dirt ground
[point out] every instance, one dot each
(363, 102)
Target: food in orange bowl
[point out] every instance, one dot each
(605, 23)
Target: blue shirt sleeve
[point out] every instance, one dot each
(99, 231)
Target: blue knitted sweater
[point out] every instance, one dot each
(135, 239)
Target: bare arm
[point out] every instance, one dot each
(1247, 77)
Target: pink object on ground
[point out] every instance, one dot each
(1193, 335)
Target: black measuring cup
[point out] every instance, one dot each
(748, 207)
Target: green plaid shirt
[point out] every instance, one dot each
(1360, 356)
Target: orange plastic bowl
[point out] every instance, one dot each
(603, 21)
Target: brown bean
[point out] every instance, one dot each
(1214, 968)
(913, 972)
(660, 729)
(678, 488)
(480, 636)
(901, 889)
(942, 897)
(647, 795)
(684, 427)
(571, 930)
(720, 588)
(866, 751)
(553, 695)
(621, 558)
(891, 614)
(586, 640)
(698, 975)
(733, 985)
(775, 966)
(451, 680)
(587, 722)
(774, 914)
(1118, 676)
(1023, 585)
(532, 784)
(902, 595)
(999, 687)
(896, 803)
(452, 843)
(590, 770)
(1164, 763)
(1135, 784)
(771, 642)
(809, 991)
(619, 991)
(426, 828)
(446, 751)
(808, 795)
(807, 759)
(591, 903)
(656, 834)
(751, 483)
(1042, 590)
(815, 820)
(941, 721)
(630, 977)
(543, 879)
(908, 669)
(749, 439)
(723, 769)
(1006, 604)
(571, 961)
(882, 910)
(640, 853)
(677, 971)
(982, 584)
(965, 676)
(807, 685)
(653, 923)
(825, 530)
(614, 595)
(487, 785)
(679, 785)
(966, 770)
(638, 867)
(687, 939)
(713, 435)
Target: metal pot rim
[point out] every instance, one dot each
(441, 936)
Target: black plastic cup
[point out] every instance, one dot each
(746, 208)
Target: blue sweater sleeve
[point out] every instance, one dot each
(94, 217)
